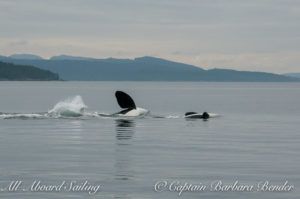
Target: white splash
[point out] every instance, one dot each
(71, 107)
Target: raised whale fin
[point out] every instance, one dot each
(124, 100)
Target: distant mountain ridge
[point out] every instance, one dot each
(25, 56)
(68, 57)
(292, 75)
(17, 72)
(141, 69)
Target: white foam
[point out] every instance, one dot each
(70, 107)
(21, 116)
(214, 115)
(172, 116)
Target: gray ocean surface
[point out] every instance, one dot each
(255, 138)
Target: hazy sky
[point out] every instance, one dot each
(256, 35)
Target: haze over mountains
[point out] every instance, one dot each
(138, 69)
(293, 75)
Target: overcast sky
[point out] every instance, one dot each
(255, 35)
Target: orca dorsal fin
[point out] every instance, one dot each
(124, 100)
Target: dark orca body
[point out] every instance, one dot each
(125, 111)
(196, 115)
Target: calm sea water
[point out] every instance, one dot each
(255, 138)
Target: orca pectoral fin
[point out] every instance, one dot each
(124, 100)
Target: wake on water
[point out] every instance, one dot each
(72, 107)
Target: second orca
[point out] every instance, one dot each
(196, 115)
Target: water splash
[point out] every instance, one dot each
(70, 107)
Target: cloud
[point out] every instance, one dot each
(176, 52)
(18, 43)
(203, 32)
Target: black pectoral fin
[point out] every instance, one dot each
(124, 100)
